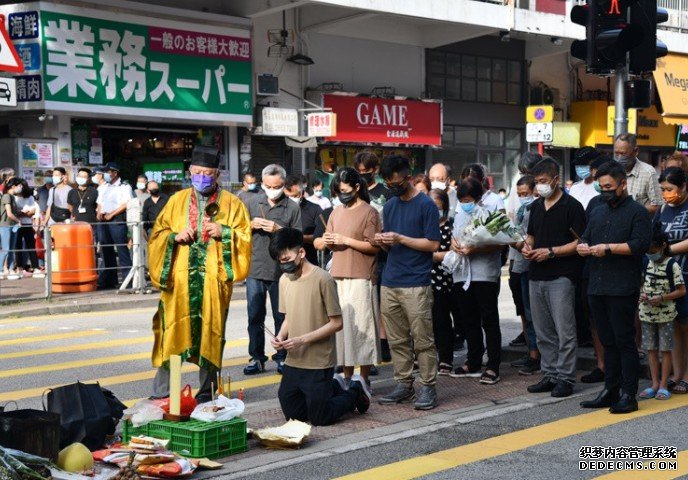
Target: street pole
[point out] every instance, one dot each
(620, 111)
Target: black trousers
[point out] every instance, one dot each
(313, 396)
(442, 326)
(26, 241)
(582, 310)
(615, 321)
(516, 292)
(480, 309)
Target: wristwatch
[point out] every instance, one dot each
(551, 253)
(608, 250)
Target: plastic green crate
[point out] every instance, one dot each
(195, 439)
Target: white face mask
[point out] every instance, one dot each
(437, 185)
(81, 181)
(57, 180)
(318, 193)
(296, 200)
(544, 190)
(141, 186)
(273, 193)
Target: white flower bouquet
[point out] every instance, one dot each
(490, 228)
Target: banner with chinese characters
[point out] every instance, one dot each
(83, 61)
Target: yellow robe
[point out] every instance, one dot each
(196, 280)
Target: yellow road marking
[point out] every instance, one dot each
(681, 469)
(16, 372)
(126, 378)
(509, 443)
(46, 338)
(77, 347)
(16, 330)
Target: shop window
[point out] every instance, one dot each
(515, 96)
(468, 90)
(448, 136)
(484, 94)
(453, 66)
(484, 68)
(499, 70)
(499, 92)
(436, 87)
(453, 88)
(464, 135)
(494, 161)
(515, 71)
(513, 139)
(436, 62)
(491, 137)
(468, 66)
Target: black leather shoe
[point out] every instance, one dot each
(544, 385)
(254, 367)
(626, 404)
(605, 399)
(562, 389)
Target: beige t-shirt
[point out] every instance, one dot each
(360, 223)
(308, 302)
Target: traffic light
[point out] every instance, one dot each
(645, 15)
(608, 34)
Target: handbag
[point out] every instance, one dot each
(59, 214)
(88, 413)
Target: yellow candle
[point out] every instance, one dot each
(175, 383)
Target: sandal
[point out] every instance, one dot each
(489, 378)
(681, 387)
(463, 372)
(648, 393)
(671, 384)
(663, 394)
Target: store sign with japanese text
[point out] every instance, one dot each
(362, 119)
(119, 64)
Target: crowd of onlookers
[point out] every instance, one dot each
(96, 196)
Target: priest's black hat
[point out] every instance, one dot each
(207, 157)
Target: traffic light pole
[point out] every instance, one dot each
(620, 111)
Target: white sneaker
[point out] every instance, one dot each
(13, 276)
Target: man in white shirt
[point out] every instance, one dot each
(112, 206)
(584, 190)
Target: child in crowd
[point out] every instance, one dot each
(663, 283)
(309, 391)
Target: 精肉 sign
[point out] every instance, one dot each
(362, 119)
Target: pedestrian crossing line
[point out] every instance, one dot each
(681, 470)
(77, 347)
(257, 382)
(47, 338)
(16, 372)
(16, 330)
(509, 443)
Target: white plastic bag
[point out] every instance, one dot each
(226, 409)
(143, 413)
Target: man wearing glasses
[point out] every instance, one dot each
(411, 234)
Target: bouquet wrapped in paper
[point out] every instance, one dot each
(489, 228)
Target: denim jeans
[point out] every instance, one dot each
(531, 339)
(6, 243)
(257, 292)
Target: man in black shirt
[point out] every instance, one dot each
(309, 215)
(554, 270)
(82, 199)
(153, 205)
(617, 237)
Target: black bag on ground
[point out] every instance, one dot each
(88, 413)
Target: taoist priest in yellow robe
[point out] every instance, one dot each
(200, 244)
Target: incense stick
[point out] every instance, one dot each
(322, 219)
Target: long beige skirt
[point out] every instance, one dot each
(358, 343)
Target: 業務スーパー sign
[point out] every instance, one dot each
(362, 119)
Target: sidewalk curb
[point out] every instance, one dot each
(85, 304)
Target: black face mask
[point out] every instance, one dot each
(346, 198)
(609, 196)
(154, 192)
(289, 267)
(368, 177)
(398, 190)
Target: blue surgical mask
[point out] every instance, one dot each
(583, 171)
(468, 207)
(525, 201)
(655, 257)
(252, 186)
(597, 187)
(107, 177)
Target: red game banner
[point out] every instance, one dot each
(362, 119)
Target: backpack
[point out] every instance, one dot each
(669, 271)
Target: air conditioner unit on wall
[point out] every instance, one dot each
(544, 95)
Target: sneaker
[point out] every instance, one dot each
(427, 398)
(464, 372)
(374, 371)
(364, 396)
(401, 394)
(384, 350)
(596, 376)
(13, 276)
(532, 366)
(521, 362)
(38, 275)
(280, 366)
(562, 389)
(254, 367)
(343, 382)
(544, 385)
(444, 369)
(519, 341)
